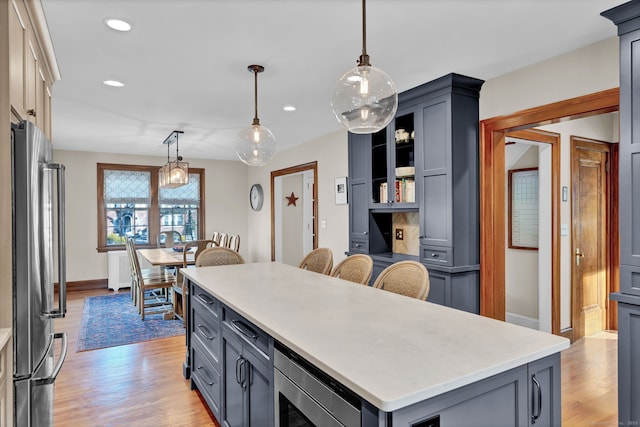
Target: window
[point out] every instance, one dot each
(130, 204)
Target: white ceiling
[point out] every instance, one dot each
(185, 62)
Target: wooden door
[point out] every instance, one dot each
(590, 266)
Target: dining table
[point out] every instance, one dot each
(167, 257)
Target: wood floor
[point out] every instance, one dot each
(142, 384)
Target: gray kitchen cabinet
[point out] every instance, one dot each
(359, 181)
(247, 386)
(627, 18)
(229, 360)
(528, 395)
(543, 386)
(426, 163)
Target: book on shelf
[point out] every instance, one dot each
(405, 191)
(384, 191)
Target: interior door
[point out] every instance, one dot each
(589, 236)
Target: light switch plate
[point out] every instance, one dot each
(323, 223)
(564, 229)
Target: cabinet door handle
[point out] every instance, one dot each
(241, 371)
(204, 298)
(357, 245)
(536, 391)
(365, 232)
(204, 377)
(434, 255)
(31, 112)
(205, 332)
(244, 329)
(238, 368)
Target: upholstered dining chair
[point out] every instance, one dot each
(180, 289)
(151, 303)
(218, 256)
(409, 278)
(356, 268)
(319, 260)
(169, 238)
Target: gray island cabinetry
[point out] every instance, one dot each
(261, 333)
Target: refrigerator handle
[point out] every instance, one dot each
(62, 245)
(63, 355)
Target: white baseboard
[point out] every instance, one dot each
(527, 322)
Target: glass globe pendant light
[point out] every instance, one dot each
(365, 99)
(255, 144)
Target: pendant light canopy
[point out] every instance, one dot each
(174, 174)
(255, 144)
(365, 99)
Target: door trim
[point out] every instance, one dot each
(492, 166)
(287, 171)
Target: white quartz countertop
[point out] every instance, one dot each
(391, 350)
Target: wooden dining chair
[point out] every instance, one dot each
(218, 256)
(148, 299)
(233, 242)
(355, 268)
(151, 273)
(409, 278)
(223, 240)
(215, 237)
(168, 239)
(179, 290)
(319, 260)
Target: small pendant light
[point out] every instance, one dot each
(255, 144)
(174, 174)
(365, 99)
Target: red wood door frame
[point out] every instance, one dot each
(492, 190)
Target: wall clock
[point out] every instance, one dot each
(256, 197)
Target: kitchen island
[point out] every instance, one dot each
(406, 361)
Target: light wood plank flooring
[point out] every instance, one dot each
(142, 384)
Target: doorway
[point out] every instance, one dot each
(492, 183)
(294, 212)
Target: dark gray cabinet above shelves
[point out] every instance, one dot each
(424, 164)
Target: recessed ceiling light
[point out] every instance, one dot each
(289, 108)
(113, 83)
(118, 24)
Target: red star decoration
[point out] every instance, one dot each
(292, 199)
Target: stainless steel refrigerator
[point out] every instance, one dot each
(38, 224)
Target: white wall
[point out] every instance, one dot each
(591, 69)
(521, 265)
(292, 235)
(330, 152)
(226, 198)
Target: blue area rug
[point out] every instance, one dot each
(112, 320)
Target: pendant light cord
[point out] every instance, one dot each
(364, 58)
(256, 120)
